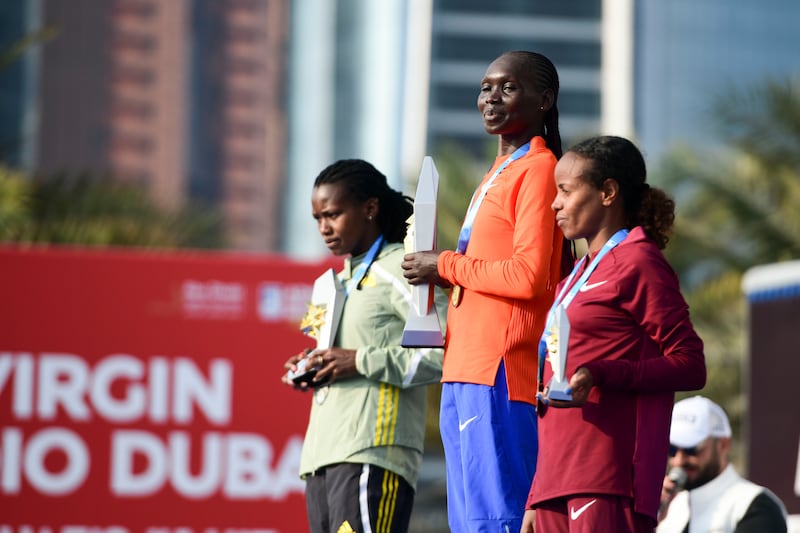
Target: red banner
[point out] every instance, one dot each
(140, 392)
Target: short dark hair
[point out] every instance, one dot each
(544, 75)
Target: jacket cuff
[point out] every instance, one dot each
(596, 369)
(443, 262)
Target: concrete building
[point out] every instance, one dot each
(184, 97)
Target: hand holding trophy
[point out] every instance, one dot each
(320, 322)
(422, 326)
(557, 341)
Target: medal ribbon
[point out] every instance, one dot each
(466, 228)
(564, 300)
(321, 392)
(361, 269)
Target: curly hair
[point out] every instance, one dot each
(618, 158)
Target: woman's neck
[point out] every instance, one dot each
(366, 243)
(508, 144)
(595, 243)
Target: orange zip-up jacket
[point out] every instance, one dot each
(508, 272)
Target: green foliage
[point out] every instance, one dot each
(736, 208)
(17, 49)
(458, 176)
(14, 202)
(764, 122)
(82, 209)
(733, 213)
(85, 210)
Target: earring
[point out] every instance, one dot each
(541, 108)
(369, 217)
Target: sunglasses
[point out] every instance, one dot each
(691, 452)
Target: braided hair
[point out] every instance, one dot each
(362, 181)
(544, 76)
(618, 158)
(542, 72)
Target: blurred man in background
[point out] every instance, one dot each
(702, 491)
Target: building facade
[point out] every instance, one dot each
(185, 98)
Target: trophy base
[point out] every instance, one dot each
(559, 396)
(557, 390)
(422, 339)
(303, 374)
(422, 332)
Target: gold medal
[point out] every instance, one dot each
(455, 295)
(321, 394)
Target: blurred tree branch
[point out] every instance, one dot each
(16, 50)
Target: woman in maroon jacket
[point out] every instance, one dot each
(630, 346)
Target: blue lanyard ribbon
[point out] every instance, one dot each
(563, 300)
(466, 228)
(361, 269)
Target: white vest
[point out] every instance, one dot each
(716, 507)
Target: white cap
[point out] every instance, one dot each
(695, 419)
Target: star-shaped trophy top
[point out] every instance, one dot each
(313, 320)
